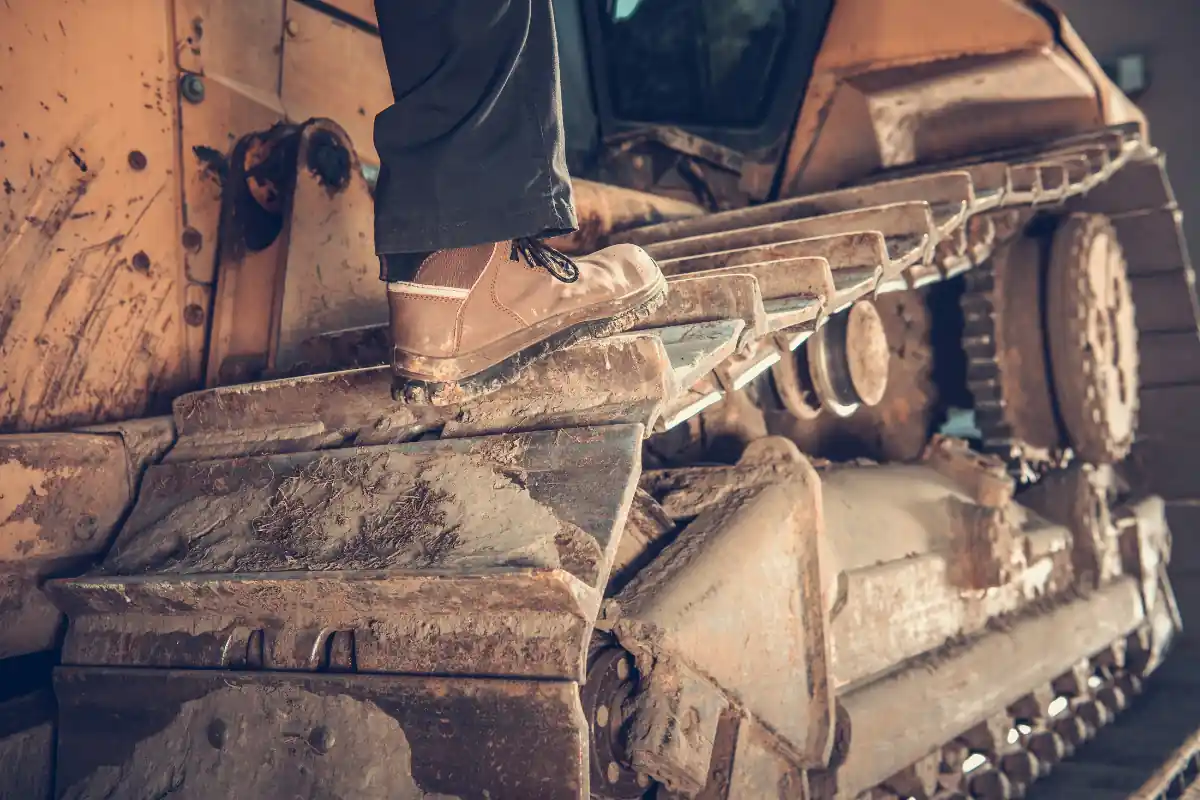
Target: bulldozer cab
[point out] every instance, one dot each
(731, 73)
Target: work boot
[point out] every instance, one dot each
(470, 318)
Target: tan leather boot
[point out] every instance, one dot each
(471, 318)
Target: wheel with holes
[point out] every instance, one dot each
(1092, 338)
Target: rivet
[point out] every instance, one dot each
(191, 86)
(192, 239)
(217, 733)
(602, 716)
(613, 773)
(292, 27)
(321, 739)
(137, 159)
(141, 261)
(193, 315)
(623, 670)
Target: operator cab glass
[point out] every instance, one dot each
(693, 62)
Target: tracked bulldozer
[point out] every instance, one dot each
(863, 510)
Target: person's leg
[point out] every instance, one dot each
(473, 173)
(472, 150)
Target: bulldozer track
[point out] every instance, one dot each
(1085, 735)
(868, 240)
(563, 443)
(748, 287)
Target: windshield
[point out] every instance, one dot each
(698, 62)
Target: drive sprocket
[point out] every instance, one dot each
(1007, 371)
(1051, 345)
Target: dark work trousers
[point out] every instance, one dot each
(472, 150)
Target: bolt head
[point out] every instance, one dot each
(191, 86)
(192, 239)
(193, 315)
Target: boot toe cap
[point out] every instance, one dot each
(629, 265)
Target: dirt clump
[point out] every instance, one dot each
(444, 511)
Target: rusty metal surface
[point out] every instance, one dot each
(1092, 336)
(229, 48)
(62, 496)
(925, 571)
(866, 250)
(948, 192)
(331, 277)
(983, 477)
(870, 34)
(696, 350)
(1145, 542)
(692, 299)
(907, 227)
(788, 278)
(1078, 497)
(573, 387)
(621, 379)
(752, 562)
(606, 696)
(251, 255)
(322, 57)
(1005, 343)
(893, 103)
(605, 211)
(282, 552)
(673, 724)
(964, 687)
(126, 732)
(391, 622)
(848, 360)
(897, 428)
(92, 273)
(760, 769)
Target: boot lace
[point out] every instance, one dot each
(540, 254)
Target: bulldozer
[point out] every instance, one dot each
(864, 510)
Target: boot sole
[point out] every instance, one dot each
(414, 390)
